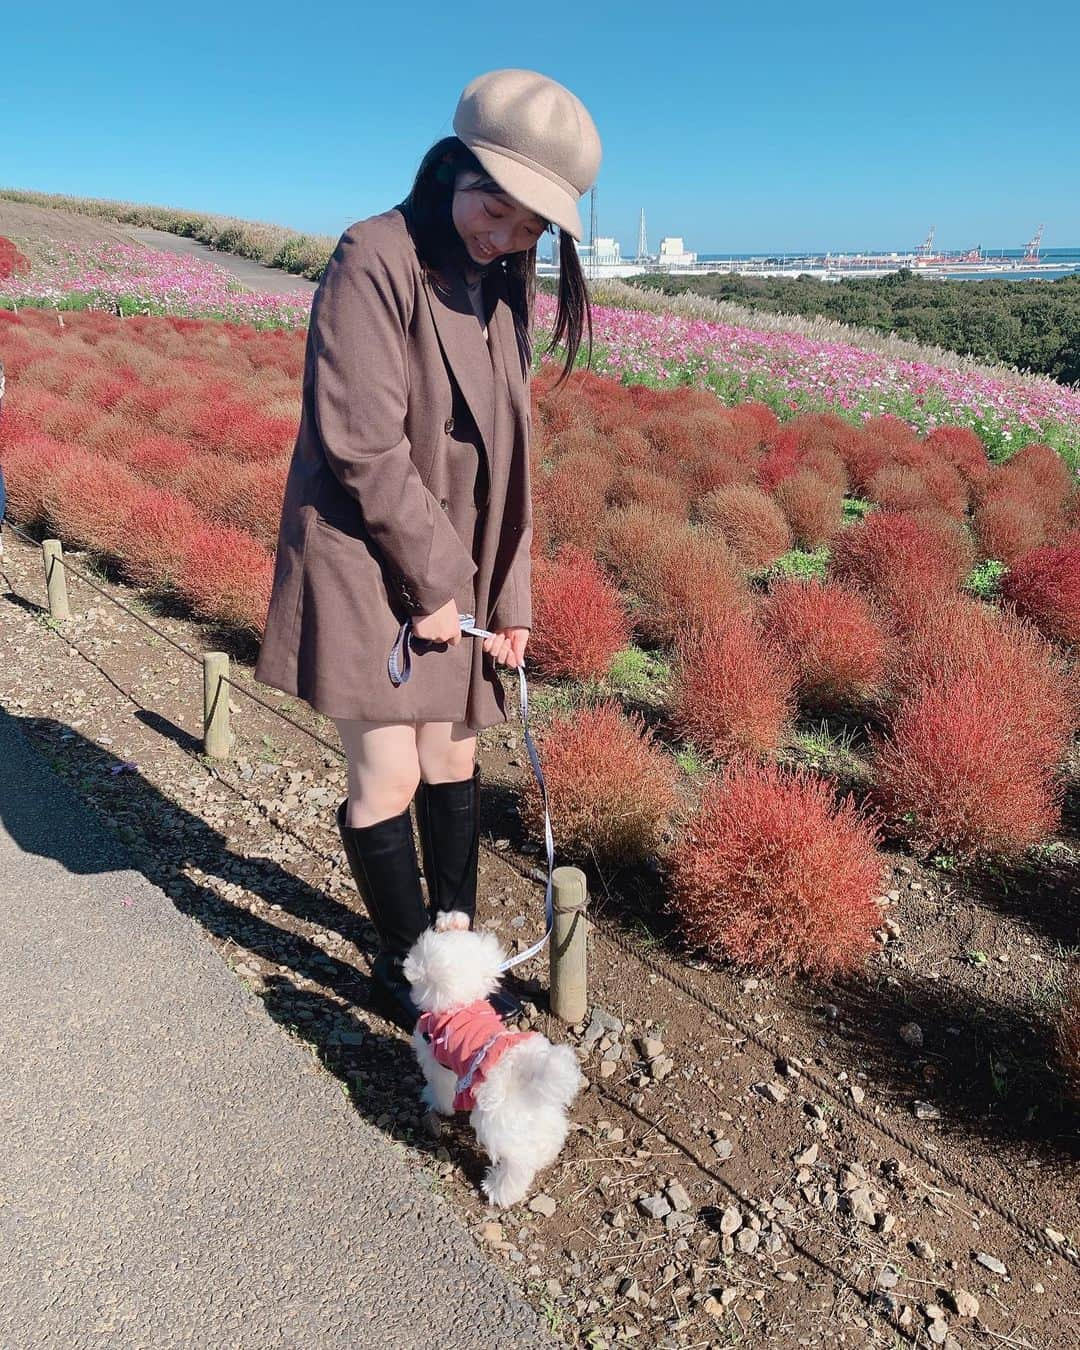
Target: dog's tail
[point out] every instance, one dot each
(546, 1072)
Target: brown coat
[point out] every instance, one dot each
(408, 487)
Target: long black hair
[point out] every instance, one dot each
(441, 248)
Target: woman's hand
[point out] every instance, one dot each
(507, 646)
(441, 626)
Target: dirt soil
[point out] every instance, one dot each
(31, 226)
(711, 1193)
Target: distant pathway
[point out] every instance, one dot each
(175, 1169)
(254, 275)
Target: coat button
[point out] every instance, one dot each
(448, 425)
(443, 503)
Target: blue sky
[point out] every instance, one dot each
(741, 128)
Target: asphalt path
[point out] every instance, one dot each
(254, 275)
(176, 1170)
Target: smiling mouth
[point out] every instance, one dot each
(484, 252)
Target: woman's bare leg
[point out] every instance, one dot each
(446, 751)
(384, 768)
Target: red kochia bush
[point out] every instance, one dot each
(776, 875)
(31, 463)
(956, 775)
(897, 488)
(1007, 527)
(166, 523)
(611, 788)
(574, 500)
(12, 262)
(962, 448)
(687, 578)
(908, 562)
(89, 503)
(1044, 585)
(579, 618)
(226, 576)
(814, 508)
(751, 524)
(732, 692)
(840, 651)
(1047, 470)
(992, 646)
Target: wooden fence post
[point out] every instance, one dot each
(55, 578)
(216, 736)
(569, 988)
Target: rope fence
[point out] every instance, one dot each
(569, 935)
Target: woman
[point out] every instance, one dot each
(408, 492)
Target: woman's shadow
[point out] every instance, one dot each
(159, 838)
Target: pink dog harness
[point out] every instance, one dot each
(468, 1041)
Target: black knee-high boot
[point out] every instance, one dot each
(383, 861)
(448, 815)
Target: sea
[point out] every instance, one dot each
(1067, 260)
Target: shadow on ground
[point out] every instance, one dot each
(159, 839)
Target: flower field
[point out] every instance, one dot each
(794, 373)
(750, 576)
(789, 371)
(131, 279)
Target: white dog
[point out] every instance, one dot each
(516, 1086)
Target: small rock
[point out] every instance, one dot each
(728, 1296)
(857, 1093)
(773, 1092)
(712, 1307)
(542, 1204)
(730, 1220)
(991, 1263)
(912, 1034)
(651, 1048)
(862, 1206)
(677, 1219)
(608, 1068)
(676, 1194)
(937, 1331)
(807, 1157)
(628, 1288)
(723, 1148)
(926, 1111)
(964, 1304)
(661, 1068)
(615, 1135)
(887, 1278)
(655, 1206)
(747, 1240)
(933, 1312)
(922, 1249)
(492, 1233)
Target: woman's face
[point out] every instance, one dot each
(492, 224)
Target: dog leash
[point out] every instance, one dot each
(399, 665)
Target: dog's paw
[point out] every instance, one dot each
(505, 1188)
(451, 921)
(442, 1106)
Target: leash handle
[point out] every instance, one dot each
(399, 666)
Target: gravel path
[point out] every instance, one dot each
(175, 1169)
